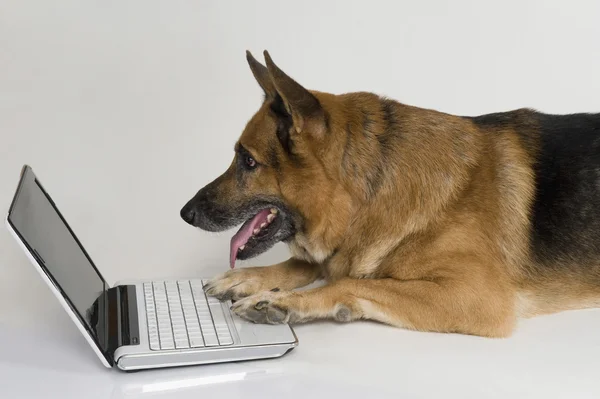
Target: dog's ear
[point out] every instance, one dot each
(303, 107)
(261, 74)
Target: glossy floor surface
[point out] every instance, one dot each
(553, 357)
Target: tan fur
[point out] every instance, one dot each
(284, 276)
(440, 244)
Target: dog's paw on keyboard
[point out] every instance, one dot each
(237, 284)
(266, 308)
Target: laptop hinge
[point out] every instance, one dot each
(123, 323)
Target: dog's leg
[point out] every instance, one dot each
(242, 282)
(442, 306)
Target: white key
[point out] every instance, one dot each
(193, 329)
(164, 322)
(203, 314)
(166, 341)
(221, 326)
(191, 318)
(211, 340)
(151, 317)
(154, 343)
(160, 328)
(222, 332)
(220, 323)
(208, 329)
(165, 334)
(179, 337)
(204, 319)
(182, 344)
(210, 337)
(195, 334)
(226, 340)
(217, 314)
(158, 286)
(177, 321)
(167, 345)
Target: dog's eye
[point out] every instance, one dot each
(250, 162)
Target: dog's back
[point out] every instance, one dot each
(565, 211)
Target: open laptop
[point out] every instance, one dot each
(139, 325)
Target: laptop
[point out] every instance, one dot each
(138, 325)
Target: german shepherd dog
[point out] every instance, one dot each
(414, 218)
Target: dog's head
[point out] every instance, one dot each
(276, 185)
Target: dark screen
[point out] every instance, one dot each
(49, 238)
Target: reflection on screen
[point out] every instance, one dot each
(40, 225)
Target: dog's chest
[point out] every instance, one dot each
(301, 248)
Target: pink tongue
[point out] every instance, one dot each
(241, 237)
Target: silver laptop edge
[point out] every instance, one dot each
(130, 348)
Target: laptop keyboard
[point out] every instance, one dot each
(181, 316)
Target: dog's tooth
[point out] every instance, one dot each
(273, 211)
(270, 217)
(264, 224)
(256, 231)
(242, 248)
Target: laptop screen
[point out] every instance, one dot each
(50, 240)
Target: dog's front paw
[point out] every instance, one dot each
(236, 284)
(265, 307)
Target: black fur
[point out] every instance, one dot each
(375, 174)
(368, 123)
(566, 210)
(388, 110)
(273, 158)
(389, 134)
(524, 121)
(284, 124)
(566, 213)
(363, 140)
(374, 177)
(391, 129)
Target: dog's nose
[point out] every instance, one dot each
(188, 214)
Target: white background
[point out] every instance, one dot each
(126, 108)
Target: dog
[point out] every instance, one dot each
(414, 218)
